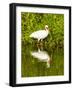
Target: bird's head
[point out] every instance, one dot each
(46, 27)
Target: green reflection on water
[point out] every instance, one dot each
(32, 66)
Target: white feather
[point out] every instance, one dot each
(40, 34)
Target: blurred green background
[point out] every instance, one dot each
(36, 21)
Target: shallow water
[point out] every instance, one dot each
(41, 61)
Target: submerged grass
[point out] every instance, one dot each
(32, 67)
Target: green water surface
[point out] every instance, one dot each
(33, 67)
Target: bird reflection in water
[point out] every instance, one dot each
(42, 56)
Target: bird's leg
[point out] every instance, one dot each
(41, 43)
(41, 47)
(38, 43)
(41, 40)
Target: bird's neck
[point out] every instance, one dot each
(46, 30)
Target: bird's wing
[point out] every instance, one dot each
(38, 33)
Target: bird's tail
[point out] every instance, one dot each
(30, 36)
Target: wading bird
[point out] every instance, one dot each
(40, 34)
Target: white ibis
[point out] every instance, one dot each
(40, 34)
